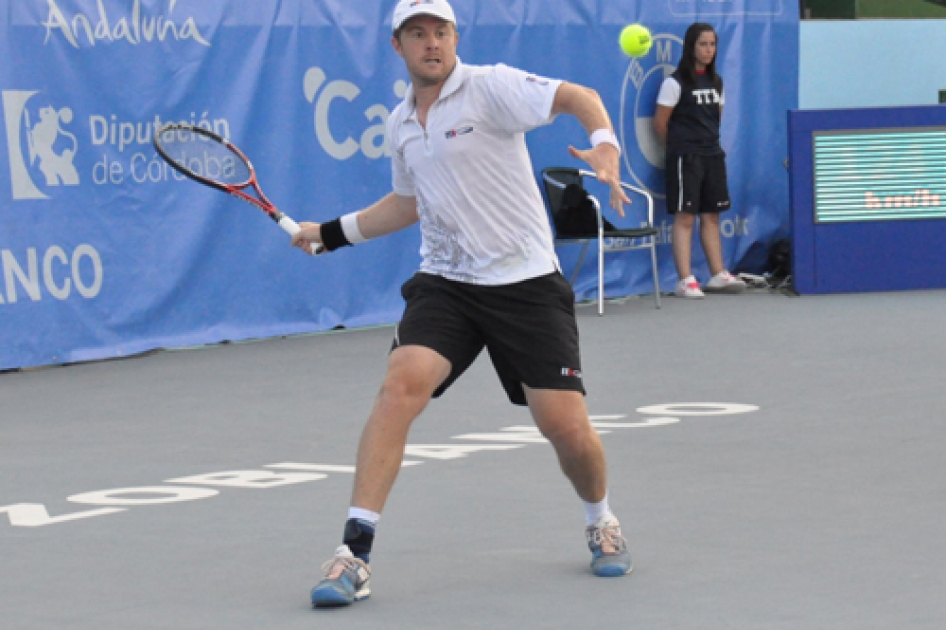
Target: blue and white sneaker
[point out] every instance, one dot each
(609, 555)
(346, 580)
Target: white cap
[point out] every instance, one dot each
(406, 9)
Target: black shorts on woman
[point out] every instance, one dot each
(697, 184)
(528, 328)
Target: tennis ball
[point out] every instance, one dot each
(635, 40)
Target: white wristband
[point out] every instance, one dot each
(350, 228)
(605, 135)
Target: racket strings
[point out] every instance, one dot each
(205, 157)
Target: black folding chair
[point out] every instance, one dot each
(570, 208)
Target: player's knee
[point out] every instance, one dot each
(406, 388)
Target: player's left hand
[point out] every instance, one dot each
(605, 160)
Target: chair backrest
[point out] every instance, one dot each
(563, 186)
(554, 180)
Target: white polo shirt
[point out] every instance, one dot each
(482, 217)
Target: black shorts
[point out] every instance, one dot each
(697, 184)
(528, 328)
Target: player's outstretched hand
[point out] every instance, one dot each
(604, 160)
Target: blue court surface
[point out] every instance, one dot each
(776, 462)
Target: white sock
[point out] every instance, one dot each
(364, 515)
(594, 511)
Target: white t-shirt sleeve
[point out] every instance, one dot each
(520, 101)
(669, 94)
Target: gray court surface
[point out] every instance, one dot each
(822, 508)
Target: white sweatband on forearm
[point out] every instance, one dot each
(605, 135)
(350, 228)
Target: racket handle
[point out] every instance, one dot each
(292, 228)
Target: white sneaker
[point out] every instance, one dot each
(725, 282)
(688, 288)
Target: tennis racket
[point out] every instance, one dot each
(205, 157)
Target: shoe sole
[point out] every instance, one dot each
(729, 289)
(330, 598)
(610, 572)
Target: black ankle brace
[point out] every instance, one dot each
(359, 535)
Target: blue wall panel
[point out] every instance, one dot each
(105, 252)
(867, 255)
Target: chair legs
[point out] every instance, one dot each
(600, 276)
(601, 250)
(653, 262)
(581, 259)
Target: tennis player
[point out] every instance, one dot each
(489, 275)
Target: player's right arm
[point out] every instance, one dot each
(389, 214)
(586, 105)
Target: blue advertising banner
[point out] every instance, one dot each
(105, 251)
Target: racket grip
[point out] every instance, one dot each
(292, 228)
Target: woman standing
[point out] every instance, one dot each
(689, 110)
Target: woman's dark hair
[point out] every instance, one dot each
(687, 65)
